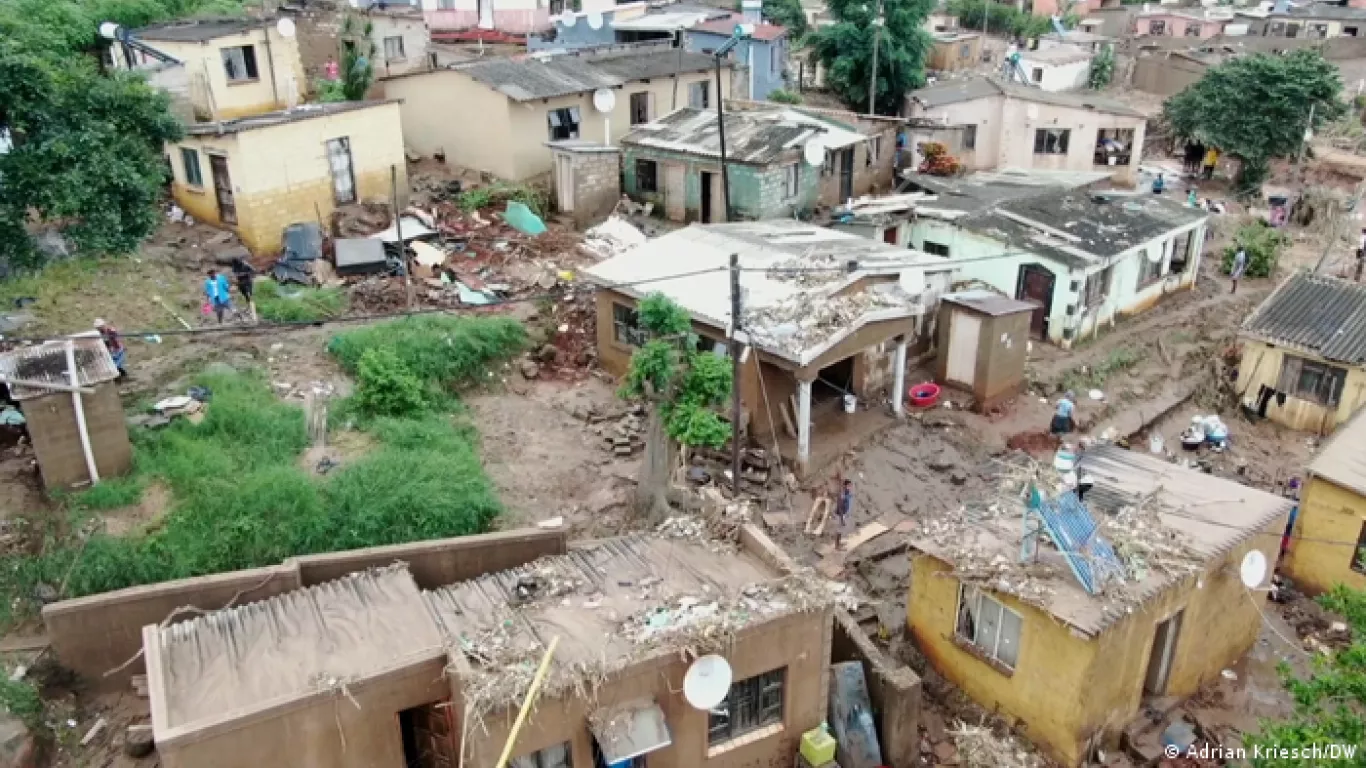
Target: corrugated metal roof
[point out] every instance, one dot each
(196, 31)
(560, 75)
(1322, 315)
(759, 136)
(1341, 460)
(982, 87)
(726, 27)
(280, 117)
(47, 362)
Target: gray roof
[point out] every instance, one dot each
(1326, 11)
(527, 79)
(1077, 36)
(757, 137)
(1341, 459)
(47, 363)
(1322, 315)
(979, 191)
(196, 31)
(301, 112)
(957, 91)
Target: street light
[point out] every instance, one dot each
(742, 32)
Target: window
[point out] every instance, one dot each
(1359, 554)
(937, 249)
(1182, 246)
(190, 159)
(1318, 30)
(554, 756)
(1157, 27)
(446, 5)
(1037, 75)
(969, 137)
(699, 94)
(240, 63)
(640, 108)
(1292, 30)
(1307, 380)
(1114, 146)
(647, 176)
(1192, 30)
(750, 705)
(1097, 288)
(990, 626)
(564, 123)
(792, 180)
(393, 48)
(874, 150)
(626, 326)
(1349, 31)
(965, 51)
(1051, 141)
(1150, 270)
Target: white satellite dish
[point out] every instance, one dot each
(109, 30)
(814, 152)
(604, 100)
(595, 20)
(1154, 255)
(1253, 569)
(1032, 112)
(285, 27)
(707, 682)
(569, 19)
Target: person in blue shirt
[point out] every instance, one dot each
(1062, 418)
(218, 293)
(1159, 184)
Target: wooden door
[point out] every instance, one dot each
(1160, 659)
(1036, 284)
(846, 174)
(432, 736)
(222, 189)
(343, 177)
(675, 192)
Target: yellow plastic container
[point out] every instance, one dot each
(818, 747)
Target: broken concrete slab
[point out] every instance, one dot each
(865, 534)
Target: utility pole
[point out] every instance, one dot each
(1304, 146)
(742, 32)
(872, 77)
(398, 235)
(986, 14)
(735, 374)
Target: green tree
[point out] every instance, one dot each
(356, 70)
(789, 14)
(683, 386)
(1330, 704)
(1001, 19)
(1102, 69)
(845, 48)
(1215, 110)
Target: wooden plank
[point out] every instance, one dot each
(865, 534)
(787, 421)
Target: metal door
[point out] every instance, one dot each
(343, 180)
(222, 189)
(708, 204)
(846, 174)
(675, 192)
(1036, 284)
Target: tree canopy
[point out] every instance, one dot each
(789, 14)
(1256, 108)
(87, 147)
(845, 49)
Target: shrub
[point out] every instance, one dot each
(440, 350)
(20, 698)
(783, 96)
(1263, 244)
(497, 195)
(385, 386)
(298, 304)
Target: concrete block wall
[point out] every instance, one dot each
(895, 691)
(597, 184)
(57, 440)
(756, 191)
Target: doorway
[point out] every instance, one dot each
(1036, 284)
(428, 740)
(485, 14)
(222, 189)
(343, 178)
(889, 236)
(1160, 660)
(846, 174)
(707, 202)
(564, 183)
(834, 381)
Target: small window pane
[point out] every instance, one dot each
(1008, 649)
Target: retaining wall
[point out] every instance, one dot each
(893, 688)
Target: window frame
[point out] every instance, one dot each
(970, 137)
(642, 166)
(1096, 289)
(626, 330)
(186, 155)
(1326, 393)
(1036, 74)
(250, 67)
(702, 87)
(633, 101)
(873, 151)
(1193, 30)
(1157, 27)
(934, 249)
(402, 51)
(561, 113)
(1358, 562)
(761, 699)
(992, 654)
(792, 180)
(1062, 143)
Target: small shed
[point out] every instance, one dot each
(983, 337)
(587, 179)
(75, 420)
(955, 50)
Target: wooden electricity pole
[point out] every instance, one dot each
(735, 373)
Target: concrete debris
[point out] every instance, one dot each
(612, 237)
(796, 322)
(627, 436)
(94, 732)
(139, 742)
(980, 747)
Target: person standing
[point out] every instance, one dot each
(1192, 199)
(114, 343)
(243, 273)
(218, 294)
(1159, 184)
(1062, 417)
(1211, 160)
(1239, 267)
(844, 508)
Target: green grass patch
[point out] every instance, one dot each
(1119, 360)
(298, 304)
(499, 194)
(111, 494)
(20, 698)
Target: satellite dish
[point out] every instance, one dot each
(604, 100)
(814, 152)
(1154, 255)
(595, 20)
(568, 19)
(707, 682)
(285, 27)
(109, 30)
(1032, 112)
(1252, 570)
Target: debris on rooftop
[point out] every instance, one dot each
(979, 747)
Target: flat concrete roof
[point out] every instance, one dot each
(1192, 520)
(281, 117)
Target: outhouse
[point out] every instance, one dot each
(982, 340)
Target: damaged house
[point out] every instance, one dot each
(1085, 258)
(1106, 604)
(825, 315)
(1332, 511)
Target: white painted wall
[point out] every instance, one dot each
(1058, 77)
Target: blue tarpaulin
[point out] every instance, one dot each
(520, 218)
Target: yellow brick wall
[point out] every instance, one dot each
(1330, 513)
(210, 86)
(1261, 365)
(280, 174)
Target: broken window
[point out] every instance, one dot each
(640, 108)
(1308, 380)
(1151, 270)
(1097, 288)
(792, 177)
(1277, 29)
(626, 326)
(969, 137)
(1114, 146)
(874, 150)
(553, 756)
(1359, 554)
(1182, 246)
(989, 626)
(937, 249)
(190, 159)
(239, 63)
(647, 176)
(749, 705)
(1051, 141)
(1037, 75)
(1292, 30)
(1193, 30)
(1318, 30)
(699, 94)
(1157, 27)
(393, 48)
(564, 123)
(1349, 31)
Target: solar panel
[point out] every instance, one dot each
(1077, 536)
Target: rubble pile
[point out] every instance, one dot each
(627, 436)
(803, 320)
(1145, 544)
(980, 747)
